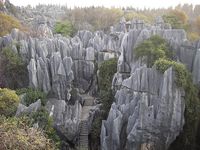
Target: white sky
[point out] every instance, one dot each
(108, 3)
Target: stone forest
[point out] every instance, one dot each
(99, 78)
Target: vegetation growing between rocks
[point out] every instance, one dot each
(152, 49)
(180, 70)
(7, 23)
(32, 95)
(16, 133)
(9, 101)
(106, 72)
(14, 69)
(187, 139)
(45, 122)
(64, 28)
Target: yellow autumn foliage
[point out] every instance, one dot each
(9, 101)
(7, 23)
(16, 134)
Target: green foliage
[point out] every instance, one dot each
(8, 102)
(14, 69)
(32, 95)
(15, 133)
(106, 97)
(173, 20)
(106, 73)
(7, 23)
(152, 49)
(45, 122)
(96, 128)
(180, 70)
(65, 28)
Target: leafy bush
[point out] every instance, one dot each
(16, 133)
(14, 69)
(7, 23)
(180, 70)
(152, 49)
(32, 95)
(8, 102)
(106, 72)
(65, 28)
(96, 128)
(45, 122)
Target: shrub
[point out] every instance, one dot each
(106, 72)
(65, 28)
(45, 122)
(180, 70)
(32, 95)
(96, 128)
(16, 133)
(14, 68)
(7, 23)
(152, 49)
(8, 102)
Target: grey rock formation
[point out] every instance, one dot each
(66, 117)
(142, 110)
(61, 80)
(34, 107)
(149, 109)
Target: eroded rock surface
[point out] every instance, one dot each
(149, 109)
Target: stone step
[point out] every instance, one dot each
(84, 131)
(84, 142)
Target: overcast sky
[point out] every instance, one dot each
(108, 3)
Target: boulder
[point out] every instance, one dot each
(32, 108)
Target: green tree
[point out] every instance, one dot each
(152, 49)
(65, 28)
(32, 95)
(177, 18)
